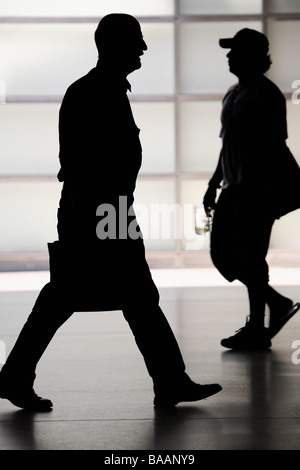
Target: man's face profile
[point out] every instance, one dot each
(120, 41)
(133, 48)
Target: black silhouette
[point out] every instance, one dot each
(99, 262)
(260, 183)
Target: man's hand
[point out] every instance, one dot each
(209, 200)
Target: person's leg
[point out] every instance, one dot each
(253, 272)
(277, 301)
(256, 274)
(155, 340)
(281, 310)
(18, 373)
(158, 345)
(257, 304)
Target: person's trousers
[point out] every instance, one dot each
(149, 325)
(240, 240)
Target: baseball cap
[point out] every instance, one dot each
(247, 39)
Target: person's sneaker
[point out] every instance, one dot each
(279, 319)
(187, 391)
(248, 338)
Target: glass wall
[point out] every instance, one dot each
(176, 100)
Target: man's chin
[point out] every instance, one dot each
(138, 63)
(135, 66)
(232, 70)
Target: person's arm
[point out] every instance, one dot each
(209, 200)
(217, 177)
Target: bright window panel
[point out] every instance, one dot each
(203, 63)
(29, 139)
(192, 192)
(86, 8)
(278, 6)
(28, 211)
(155, 209)
(212, 7)
(44, 59)
(284, 38)
(157, 135)
(157, 73)
(199, 135)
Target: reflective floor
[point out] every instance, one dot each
(102, 395)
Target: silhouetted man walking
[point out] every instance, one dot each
(99, 262)
(260, 183)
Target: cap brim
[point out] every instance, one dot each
(226, 43)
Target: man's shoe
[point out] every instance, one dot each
(187, 391)
(28, 400)
(277, 321)
(248, 338)
(20, 393)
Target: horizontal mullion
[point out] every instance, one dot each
(155, 19)
(133, 98)
(218, 18)
(31, 178)
(79, 19)
(58, 98)
(201, 97)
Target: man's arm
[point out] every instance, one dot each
(209, 200)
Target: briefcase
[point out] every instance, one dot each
(80, 272)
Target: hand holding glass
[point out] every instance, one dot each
(202, 220)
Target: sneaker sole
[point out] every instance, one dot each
(262, 347)
(284, 320)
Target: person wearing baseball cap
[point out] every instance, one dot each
(249, 52)
(259, 180)
(247, 39)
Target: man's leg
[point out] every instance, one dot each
(18, 373)
(157, 343)
(163, 359)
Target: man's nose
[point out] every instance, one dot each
(144, 45)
